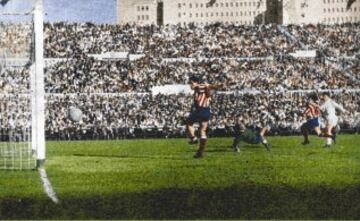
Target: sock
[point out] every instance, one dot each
(328, 141)
(236, 142)
(264, 141)
(202, 146)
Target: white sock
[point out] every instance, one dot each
(328, 141)
(264, 141)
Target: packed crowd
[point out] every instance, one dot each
(171, 41)
(92, 76)
(144, 115)
(334, 40)
(15, 40)
(131, 111)
(117, 116)
(64, 40)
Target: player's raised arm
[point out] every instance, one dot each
(216, 86)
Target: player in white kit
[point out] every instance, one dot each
(328, 109)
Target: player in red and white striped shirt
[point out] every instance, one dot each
(312, 113)
(200, 112)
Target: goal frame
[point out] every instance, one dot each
(38, 86)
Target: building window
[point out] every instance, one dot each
(179, 15)
(231, 14)
(190, 15)
(147, 17)
(222, 14)
(245, 4)
(190, 5)
(211, 14)
(227, 13)
(241, 4)
(196, 15)
(231, 4)
(196, 5)
(241, 14)
(142, 17)
(342, 9)
(216, 5)
(237, 4)
(142, 8)
(217, 14)
(324, 1)
(138, 17)
(179, 5)
(237, 13)
(226, 4)
(221, 4)
(138, 8)
(206, 14)
(201, 5)
(147, 8)
(201, 14)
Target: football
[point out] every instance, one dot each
(75, 114)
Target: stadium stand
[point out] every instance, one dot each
(115, 95)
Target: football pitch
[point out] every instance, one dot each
(159, 179)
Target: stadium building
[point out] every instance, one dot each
(237, 11)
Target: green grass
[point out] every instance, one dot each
(159, 179)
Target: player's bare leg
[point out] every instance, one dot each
(191, 133)
(263, 139)
(318, 131)
(203, 139)
(328, 135)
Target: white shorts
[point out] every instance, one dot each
(332, 121)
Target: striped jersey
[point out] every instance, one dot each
(312, 111)
(202, 96)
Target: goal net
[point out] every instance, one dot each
(16, 68)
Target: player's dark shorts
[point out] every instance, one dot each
(314, 122)
(199, 115)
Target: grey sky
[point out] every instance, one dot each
(96, 11)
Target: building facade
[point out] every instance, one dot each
(190, 11)
(320, 11)
(244, 12)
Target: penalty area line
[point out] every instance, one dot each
(47, 186)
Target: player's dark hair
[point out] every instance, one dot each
(194, 79)
(313, 97)
(326, 94)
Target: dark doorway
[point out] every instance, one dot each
(160, 13)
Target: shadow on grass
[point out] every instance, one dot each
(236, 202)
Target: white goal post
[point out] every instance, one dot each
(37, 88)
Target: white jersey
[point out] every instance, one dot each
(329, 109)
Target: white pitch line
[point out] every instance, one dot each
(47, 186)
